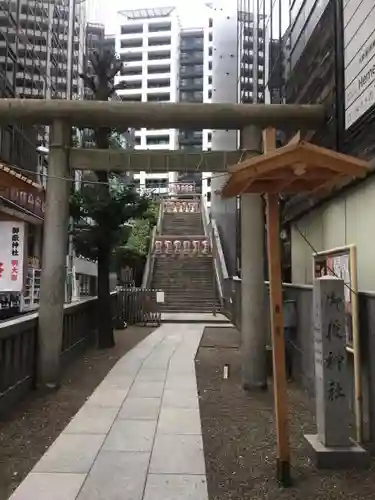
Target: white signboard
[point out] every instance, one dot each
(359, 58)
(160, 297)
(12, 239)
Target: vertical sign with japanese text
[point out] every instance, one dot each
(331, 375)
(338, 265)
(12, 244)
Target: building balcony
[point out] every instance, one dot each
(159, 41)
(163, 63)
(160, 27)
(187, 59)
(160, 75)
(192, 71)
(131, 47)
(127, 56)
(191, 45)
(158, 53)
(191, 96)
(131, 30)
(159, 83)
(156, 95)
(186, 85)
(130, 97)
(131, 88)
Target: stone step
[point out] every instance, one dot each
(182, 233)
(184, 287)
(189, 273)
(174, 273)
(191, 307)
(203, 309)
(176, 284)
(184, 263)
(194, 295)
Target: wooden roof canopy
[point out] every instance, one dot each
(295, 168)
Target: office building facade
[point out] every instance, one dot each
(239, 66)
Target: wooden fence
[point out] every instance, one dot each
(18, 338)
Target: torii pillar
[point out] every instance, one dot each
(253, 322)
(52, 290)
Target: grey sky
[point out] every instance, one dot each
(190, 10)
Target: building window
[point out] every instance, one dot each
(131, 29)
(210, 65)
(155, 56)
(161, 26)
(158, 97)
(208, 195)
(210, 94)
(133, 42)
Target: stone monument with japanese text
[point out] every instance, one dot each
(332, 446)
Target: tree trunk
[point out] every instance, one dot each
(105, 327)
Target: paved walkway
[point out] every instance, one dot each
(138, 437)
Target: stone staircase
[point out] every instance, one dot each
(183, 265)
(182, 224)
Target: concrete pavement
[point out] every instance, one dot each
(138, 437)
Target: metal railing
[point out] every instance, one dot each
(212, 233)
(149, 266)
(137, 306)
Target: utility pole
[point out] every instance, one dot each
(253, 317)
(69, 95)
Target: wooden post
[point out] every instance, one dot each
(277, 327)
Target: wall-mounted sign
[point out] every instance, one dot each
(12, 243)
(26, 198)
(359, 58)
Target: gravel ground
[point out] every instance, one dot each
(38, 421)
(239, 438)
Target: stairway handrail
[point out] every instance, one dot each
(211, 231)
(149, 266)
(160, 217)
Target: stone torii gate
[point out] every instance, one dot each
(61, 115)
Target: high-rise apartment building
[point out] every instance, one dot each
(166, 63)
(147, 41)
(222, 60)
(195, 76)
(41, 55)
